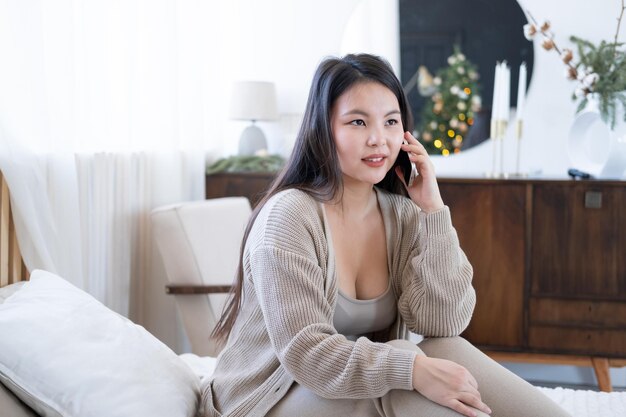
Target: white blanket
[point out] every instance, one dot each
(581, 403)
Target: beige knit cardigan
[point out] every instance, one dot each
(284, 331)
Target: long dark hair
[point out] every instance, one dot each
(313, 166)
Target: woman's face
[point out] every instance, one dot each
(367, 128)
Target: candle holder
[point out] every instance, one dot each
(494, 148)
(502, 130)
(519, 130)
(498, 132)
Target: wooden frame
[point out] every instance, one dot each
(12, 268)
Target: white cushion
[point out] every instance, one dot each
(202, 366)
(65, 354)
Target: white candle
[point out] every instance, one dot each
(505, 93)
(521, 91)
(496, 94)
(501, 91)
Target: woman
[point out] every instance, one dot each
(340, 257)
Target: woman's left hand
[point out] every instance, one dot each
(424, 191)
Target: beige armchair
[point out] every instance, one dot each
(200, 243)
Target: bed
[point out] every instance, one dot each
(62, 353)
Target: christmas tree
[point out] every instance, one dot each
(455, 98)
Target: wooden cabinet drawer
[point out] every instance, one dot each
(588, 342)
(591, 314)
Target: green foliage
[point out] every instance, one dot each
(446, 119)
(270, 163)
(608, 60)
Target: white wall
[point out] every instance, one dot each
(283, 41)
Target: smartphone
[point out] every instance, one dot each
(408, 168)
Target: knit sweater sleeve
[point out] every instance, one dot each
(286, 266)
(437, 298)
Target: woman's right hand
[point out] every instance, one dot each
(447, 383)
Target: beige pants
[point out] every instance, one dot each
(506, 394)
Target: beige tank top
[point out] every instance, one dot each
(354, 318)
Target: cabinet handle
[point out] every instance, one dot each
(593, 199)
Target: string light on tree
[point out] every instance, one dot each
(454, 99)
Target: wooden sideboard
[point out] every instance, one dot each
(549, 260)
(549, 263)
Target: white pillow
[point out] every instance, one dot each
(202, 366)
(65, 354)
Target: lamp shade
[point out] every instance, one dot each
(253, 100)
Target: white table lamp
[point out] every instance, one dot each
(253, 100)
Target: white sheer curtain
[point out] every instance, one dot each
(107, 108)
